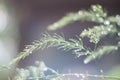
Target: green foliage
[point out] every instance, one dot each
(97, 32)
(53, 41)
(99, 52)
(107, 25)
(38, 73)
(95, 14)
(31, 72)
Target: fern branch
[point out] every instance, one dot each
(52, 41)
(115, 19)
(49, 77)
(99, 52)
(36, 73)
(95, 14)
(97, 32)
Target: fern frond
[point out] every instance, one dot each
(95, 14)
(99, 52)
(97, 32)
(52, 41)
(115, 19)
(38, 73)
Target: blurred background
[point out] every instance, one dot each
(23, 21)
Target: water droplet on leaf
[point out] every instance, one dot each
(107, 22)
(119, 34)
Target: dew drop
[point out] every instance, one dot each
(104, 32)
(116, 48)
(83, 34)
(85, 62)
(26, 47)
(77, 75)
(93, 56)
(101, 71)
(119, 34)
(99, 6)
(97, 15)
(96, 75)
(77, 50)
(37, 62)
(45, 69)
(88, 52)
(107, 22)
(109, 29)
(55, 24)
(33, 42)
(80, 13)
(94, 8)
(77, 44)
(117, 16)
(30, 52)
(68, 44)
(83, 76)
